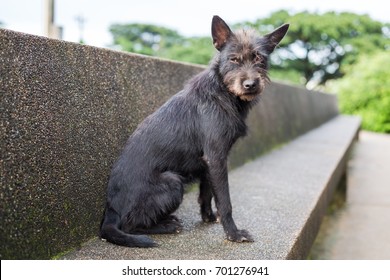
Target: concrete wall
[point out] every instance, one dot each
(66, 111)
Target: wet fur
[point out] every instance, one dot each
(188, 139)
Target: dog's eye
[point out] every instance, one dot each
(235, 60)
(257, 57)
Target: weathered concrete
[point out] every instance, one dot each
(280, 198)
(360, 230)
(66, 111)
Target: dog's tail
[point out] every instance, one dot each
(110, 231)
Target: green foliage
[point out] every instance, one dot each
(195, 50)
(290, 75)
(144, 38)
(366, 92)
(162, 42)
(321, 46)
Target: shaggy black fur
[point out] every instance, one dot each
(189, 139)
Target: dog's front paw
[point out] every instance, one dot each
(240, 236)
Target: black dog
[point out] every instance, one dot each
(189, 139)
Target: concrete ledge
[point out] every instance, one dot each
(280, 198)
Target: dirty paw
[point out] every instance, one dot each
(240, 236)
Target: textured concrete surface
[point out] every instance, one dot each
(360, 230)
(279, 198)
(66, 111)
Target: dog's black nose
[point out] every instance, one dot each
(249, 84)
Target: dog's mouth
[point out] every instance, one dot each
(254, 91)
(249, 96)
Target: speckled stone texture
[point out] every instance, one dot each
(66, 112)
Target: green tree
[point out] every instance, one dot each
(195, 49)
(365, 91)
(320, 46)
(144, 38)
(162, 42)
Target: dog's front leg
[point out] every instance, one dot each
(205, 197)
(218, 175)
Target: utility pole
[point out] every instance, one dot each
(51, 30)
(81, 21)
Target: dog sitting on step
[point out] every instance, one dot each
(188, 139)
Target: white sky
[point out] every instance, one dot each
(188, 17)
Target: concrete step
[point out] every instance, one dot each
(280, 198)
(360, 229)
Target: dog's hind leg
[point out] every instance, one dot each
(169, 225)
(154, 213)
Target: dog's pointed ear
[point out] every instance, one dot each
(275, 37)
(220, 32)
